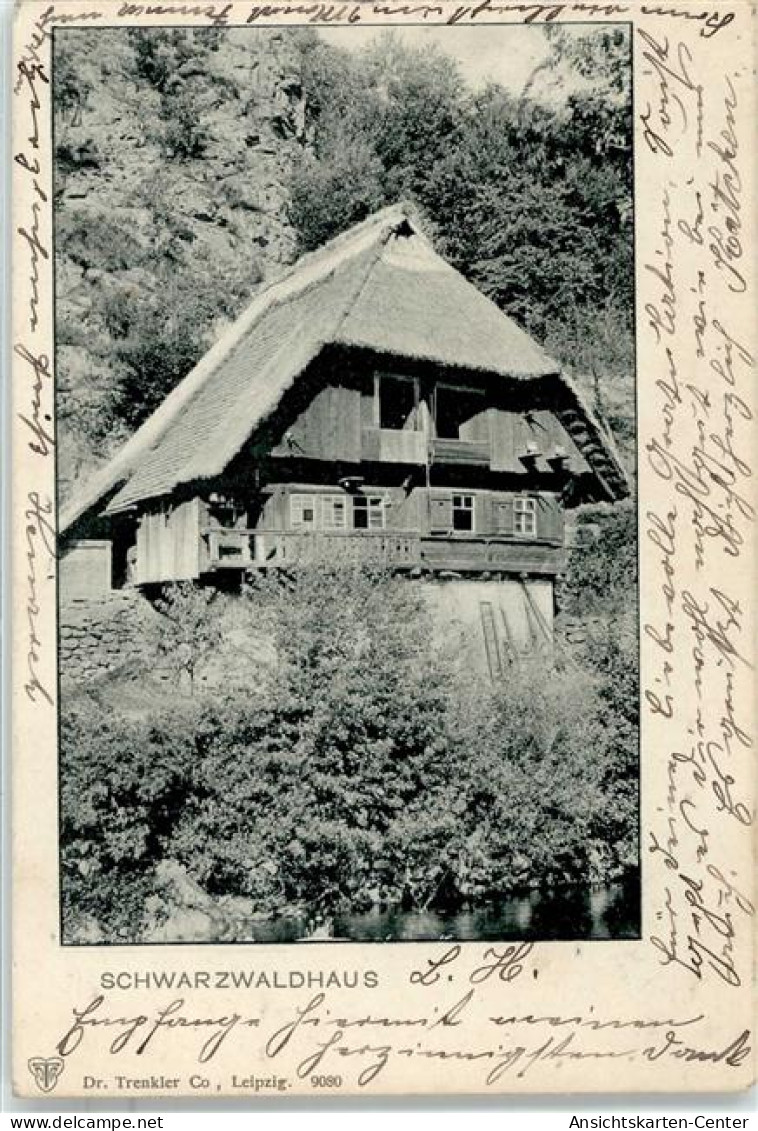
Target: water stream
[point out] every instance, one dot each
(582, 912)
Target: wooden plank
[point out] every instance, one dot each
(140, 553)
(368, 408)
(172, 522)
(169, 544)
(483, 513)
(491, 647)
(449, 553)
(151, 564)
(549, 517)
(402, 510)
(476, 430)
(393, 446)
(370, 447)
(186, 540)
(560, 438)
(345, 424)
(461, 452)
(543, 630)
(202, 542)
(150, 570)
(328, 427)
(509, 647)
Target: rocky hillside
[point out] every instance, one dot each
(174, 152)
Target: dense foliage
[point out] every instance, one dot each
(532, 201)
(363, 766)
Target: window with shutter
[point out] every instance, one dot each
(550, 520)
(524, 517)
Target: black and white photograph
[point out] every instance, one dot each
(345, 434)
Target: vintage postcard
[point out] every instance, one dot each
(383, 548)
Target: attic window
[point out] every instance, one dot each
(396, 402)
(453, 408)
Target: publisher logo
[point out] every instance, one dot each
(46, 1071)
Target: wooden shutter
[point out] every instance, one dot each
(483, 513)
(502, 515)
(440, 513)
(477, 428)
(549, 518)
(503, 439)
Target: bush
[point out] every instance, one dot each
(360, 769)
(602, 570)
(188, 632)
(123, 785)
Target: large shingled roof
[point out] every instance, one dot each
(380, 286)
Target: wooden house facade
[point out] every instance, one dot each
(370, 405)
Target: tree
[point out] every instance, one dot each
(188, 632)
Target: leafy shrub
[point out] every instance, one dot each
(185, 134)
(188, 631)
(96, 239)
(602, 571)
(123, 784)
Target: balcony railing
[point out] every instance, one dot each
(389, 445)
(460, 451)
(399, 549)
(262, 548)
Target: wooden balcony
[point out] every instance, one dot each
(473, 553)
(397, 549)
(259, 549)
(389, 446)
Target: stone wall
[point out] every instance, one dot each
(101, 634)
(115, 634)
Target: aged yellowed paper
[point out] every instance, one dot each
(287, 295)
